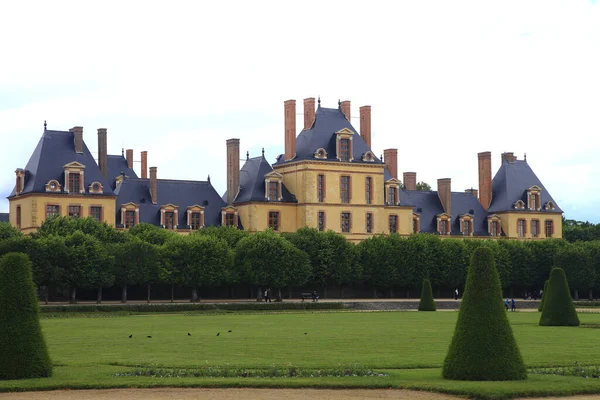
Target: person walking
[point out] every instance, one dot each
(456, 294)
(506, 304)
(513, 305)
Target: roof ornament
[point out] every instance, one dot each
(263, 152)
(247, 155)
(122, 152)
(381, 157)
(45, 125)
(208, 179)
(525, 156)
(319, 101)
(339, 104)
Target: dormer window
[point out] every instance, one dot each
(74, 177)
(229, 216)
(321, 153)
(20, 181)
(519, 205)
(466, 224)
(53, 186)
(169, 216)
(96, 188)
(549, 206)
(416, 223)
(392, 192)
(130, 215)
(494, 226)
(443, 224)
(273, 186)
(195, 217)
(533, 198)
(368, 157)
(344, 145)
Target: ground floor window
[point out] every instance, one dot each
(535, 228)
(52, 210)
(495, 228)
(549, 227)
(321, 221)
(345, 217)
(229, 219)
(74, 211)
(369, 223)
(393, 221)
(96, 213)
(274, 220)
(521, 228)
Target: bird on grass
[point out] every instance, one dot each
(149, 336)
(189, 334)
(305, 333)
(230, 331)
(130, 336)
(218, 333)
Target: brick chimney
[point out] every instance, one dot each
(153, 185)
(129, 156)
(391, 161)
(345, 107)
(78, 138)
(309, 112)
(144, 158)
(410, 180)
(233, 169)
(472, 191)
(290, 128)
(485, 178)
(445, 194)
(510, 157)
(365, 124)
(102, 151)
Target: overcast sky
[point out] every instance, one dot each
(445, 80)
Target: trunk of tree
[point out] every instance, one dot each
(591, 295)
(290, 292)
(172, 292)
(194, 294)
(391, 293)
(259, 294)
(408, 294)
(342, 291)
(279, 298)
(48, 290)
(375, 293)
(124, 294)
(99, 296)
(148, 293)
(438, 293)
(73, 299)
(325, 291)
(576, 294)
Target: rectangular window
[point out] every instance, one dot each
(549, 227)
(345, 189)
(19, 217)
(393, 221)
(274, 220)
(535, 228)
(195, 220)
(345, 222)
(321, 221)
(466, 227)
(344, 149)
(415, 225)
(320, 188)
(368, 190)
(52, 210)
(444, 227)
(74, 211)
(18, 185)
(533, 201)
(273, 190)
(521, 228)
(392, 195)
(229, 219)
(74, 182)
(369, 222)
(495, 228)
(96, 213)
(129, 218)
(169, 219)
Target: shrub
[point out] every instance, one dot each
(483, 346)
(558, 306)
(22, 345)
(426, 303)
(541, 307)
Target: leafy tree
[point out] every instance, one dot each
(7, 231)
(344, 268)
(523, 276)
(230, 234)
(65, 226)
(151, 233)
(575, 231)
(425, 252)
(23, 348)
(427, 303)
(558, 306)
(542, 257)
(456, 261)
(379, 270)
(483, 347)
(205, 259)
(575, 260)
(541, 306)
(423, 186)
(320, 254)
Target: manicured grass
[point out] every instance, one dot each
(83, 350)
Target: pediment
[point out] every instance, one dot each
(195, 206)
(444, 215)
(392, 181)
(129, 205)
(345, 131)
(228, 209)
(74, 164)
(535, 188)
(274, 175)
(493, 216)
(170, 205)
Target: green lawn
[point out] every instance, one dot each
(410, 346)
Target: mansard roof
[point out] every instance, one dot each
(176, 192)
(322, 135)
(117, 164)
(55, 150)
(511, 183)
(3, 217)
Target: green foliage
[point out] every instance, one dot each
(22, 345)
(575, 259)
(575, 231)
(65, 226)
(558, 306)
(541, 307)
(231, 235)
(423, 186)
(483, 346)
(456, 259)
(7, 231)
(151, 234)
(427, 303)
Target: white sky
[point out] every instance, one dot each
(445, 79)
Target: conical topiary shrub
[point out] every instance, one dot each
(541, 307)
(426, 303)
(483, 346)
(22, 345)
(558, 306)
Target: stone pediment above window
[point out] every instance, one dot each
(343, 145)
(53, 186)
(368, 156)
(96, 188)
(74, 164)
(273, 186)
(320, 153)
(519, 205)
(549, 206)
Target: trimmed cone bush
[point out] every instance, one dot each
(541, 307)
(558, 305)
(426, 303)
(22, 345)
(483, 347)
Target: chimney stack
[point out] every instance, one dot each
(309, 112)
(510, 157)
(78, 138)
(144, 157)
(365, 124)
(485, 178)
(290, 128)
(445, 194)
(129, 155)
(233, 168)
(410, 180)
(472, 191)
(153, 185)
(102, 151)
(391, 161)
(345, 107)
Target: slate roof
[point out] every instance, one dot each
(252, 182)
(3, 217)
(54, 150)
(511, 183)
(115, 165)
(327, 122)
(177, 192)
(428, 205)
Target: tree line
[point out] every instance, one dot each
(84, 254)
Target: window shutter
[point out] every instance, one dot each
(524, 227)
(552, 226)
(349, 188)
(81, 187)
